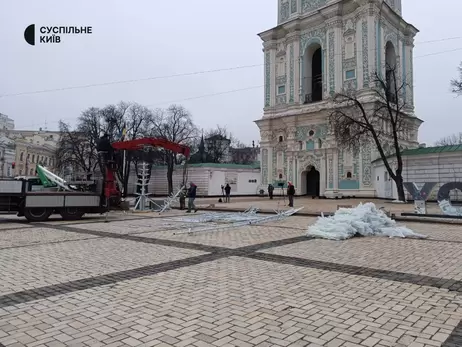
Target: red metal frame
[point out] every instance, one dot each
(110, 187)
(133, 145)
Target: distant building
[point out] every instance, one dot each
(218, 148)
(33, 147)
(37, 137)
(7, 156)
(28, 155)
(245, 155)
(6, 123)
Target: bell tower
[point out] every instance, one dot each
(317, 49)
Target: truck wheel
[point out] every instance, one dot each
(71, 213)
(37, 214)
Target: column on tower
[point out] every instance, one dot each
(338, 57)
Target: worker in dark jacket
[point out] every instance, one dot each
(228, 192)
(270, 191)
(104, 148)
(290, 193)
(183, 199)
(191, 197)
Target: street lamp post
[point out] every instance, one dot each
(2, 159)
(27, 161)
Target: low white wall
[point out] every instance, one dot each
(384, 186)
(243, 181)
(442, 167)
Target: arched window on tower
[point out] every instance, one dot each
(312, 73)
(391, 72)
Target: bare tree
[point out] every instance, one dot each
(456, 84)
(454, 139)
(92, 126)
(357, 122)
(218, 143)
(174, 124)
(77, 148)
(132, 119)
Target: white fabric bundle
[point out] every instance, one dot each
(363, 220)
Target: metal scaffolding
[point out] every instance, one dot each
(216, 221)
(172, 198)
(143, 200)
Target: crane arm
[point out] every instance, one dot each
(133, 145)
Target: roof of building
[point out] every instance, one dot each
(428, 150)
(243, 149)
(46, 146)
(436, 149)
(255, 165)
(37, 132)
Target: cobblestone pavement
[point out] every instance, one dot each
(313, 205)
(141, 281)
(16, 237)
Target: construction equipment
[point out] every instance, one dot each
(37, 205)
(49, 179)
(171, 199)
(143, 201)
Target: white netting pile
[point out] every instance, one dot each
(363, 220)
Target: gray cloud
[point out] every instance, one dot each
(139, 39)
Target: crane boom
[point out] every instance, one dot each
(133, 145)
(49, 179)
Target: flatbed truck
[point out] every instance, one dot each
(18, 196)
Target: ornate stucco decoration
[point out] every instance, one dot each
(266, 135)
(305, 160)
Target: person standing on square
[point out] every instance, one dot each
(228, 192)
(270, 191)
(290, 193)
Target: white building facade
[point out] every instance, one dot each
(6, 123)
(7, 156)
(318, 49)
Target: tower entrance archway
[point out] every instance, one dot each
(310, 182)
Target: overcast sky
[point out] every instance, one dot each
(147, 38)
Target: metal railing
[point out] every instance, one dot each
(316, 90)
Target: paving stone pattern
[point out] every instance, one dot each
(26, 237)
(240, 302)
(438, 259)
(238, 237)
(438, 232)
(136, 282)
(33, 267)
(134, 226)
